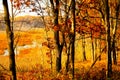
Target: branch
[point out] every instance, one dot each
(3, 67)
(95, 61)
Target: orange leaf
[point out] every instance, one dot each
(56, 28)
(44, 44)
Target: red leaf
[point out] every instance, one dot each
(56, 28)
(44, 44)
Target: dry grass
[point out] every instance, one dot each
(34, 62)
(3, 42)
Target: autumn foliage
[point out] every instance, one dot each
(38, 62)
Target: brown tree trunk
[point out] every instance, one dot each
(100, 47)
(73, 27)
(114, 34)
(10, 38)
(114, 53)
(92, 46)
(95, 48)
(67, 44)
(59, 44)
(68, 59)
(100, 50)
(83, 47)
(107, 21)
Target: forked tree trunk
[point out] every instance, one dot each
(55, 8)
(67, 44)
(10, 38)
(114, 34)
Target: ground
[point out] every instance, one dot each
(33, 63)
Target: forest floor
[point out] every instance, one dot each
(34, 64)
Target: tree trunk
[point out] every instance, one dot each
(100, 51)
(109, 64)
(73, 28)
(95, 48)
(67, 44)
(83, 47)
(114, 34)
(100, 47)
(59, 44)
(10, 38)
(92, 45)
(114, 53)
(68, 57)
(58, 61)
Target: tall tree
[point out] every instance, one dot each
(83, 47)
(114, 32)
(55, 10)
(73, 28)
(108, 36)
(10, 38)
(67, 44)
(92, 44)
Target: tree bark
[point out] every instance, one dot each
(67, 44)
(92, 46)
(96, 48)
(114, 53)
(100, 48)
(109, 64)
(59, 44)
(10, 38)
(83, 47)
(114, 34)
(68, 59)
(73, 28)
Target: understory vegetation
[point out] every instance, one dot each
(35, 63)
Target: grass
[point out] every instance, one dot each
(33, 63)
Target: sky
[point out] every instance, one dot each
(21, 14)
(1, 6)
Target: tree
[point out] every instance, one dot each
(111, 37)
(108, 37)
(10, 38)
(117, 9)
(67, 39)
(73, 31)
(55, 10)
(83, 47)
(103, 8)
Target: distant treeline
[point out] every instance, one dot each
(24, 22)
